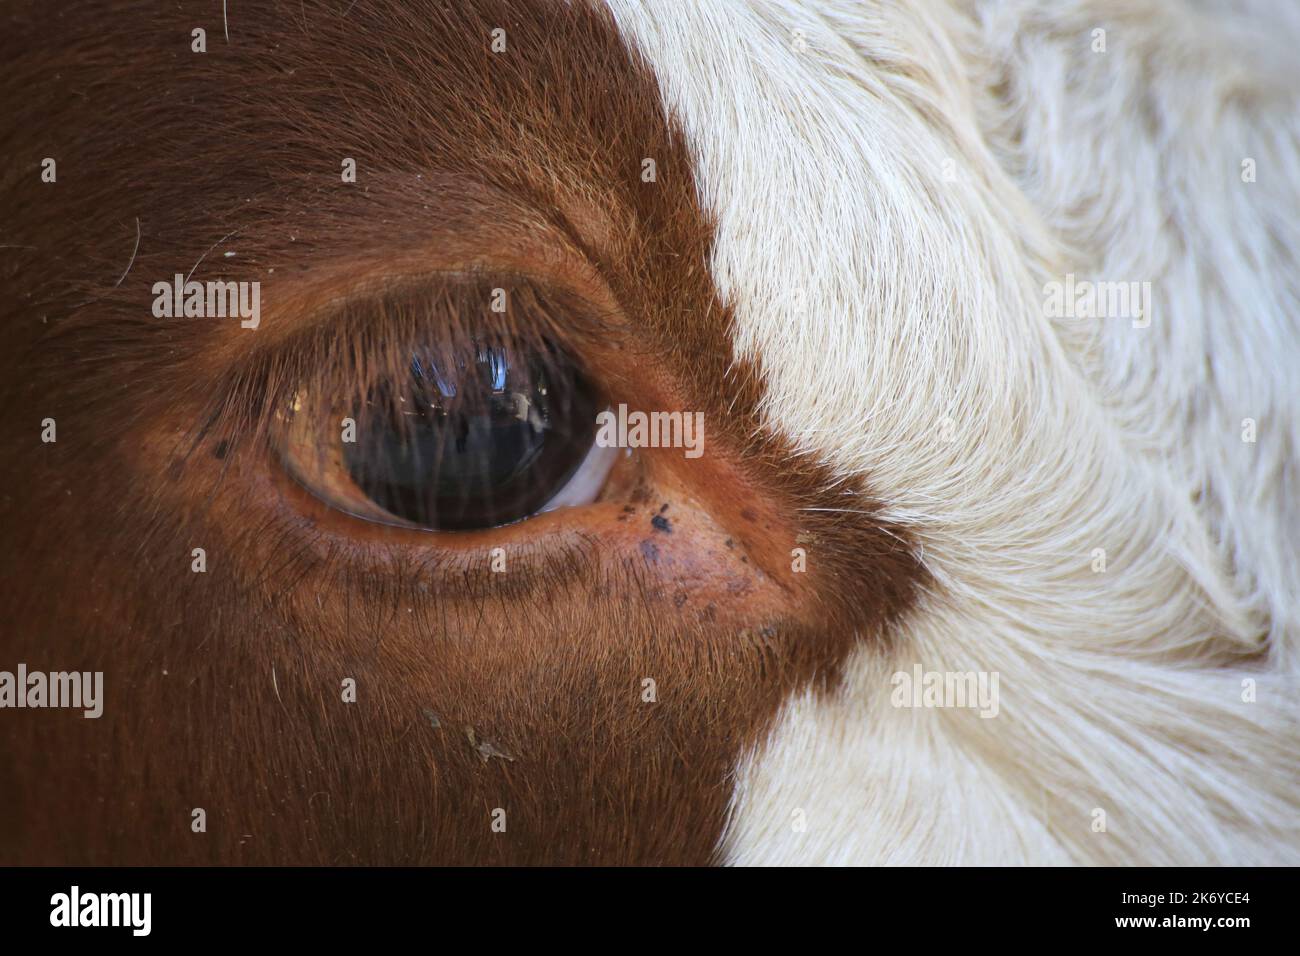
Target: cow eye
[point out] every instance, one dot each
(461, 439)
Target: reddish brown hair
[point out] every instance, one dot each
(521, 691)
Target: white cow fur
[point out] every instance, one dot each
(882, 298)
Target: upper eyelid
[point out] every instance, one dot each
(388, 319)
(571, 316)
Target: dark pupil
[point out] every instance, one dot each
(475, 439)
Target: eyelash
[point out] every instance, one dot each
(369, 340)
(363, 341)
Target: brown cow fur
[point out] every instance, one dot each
(475, 691)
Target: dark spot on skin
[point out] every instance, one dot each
(730, 543)
(649, 551)
(662, 524)
(664, 508)
(680, 598)
(221, 449)
(748, 514)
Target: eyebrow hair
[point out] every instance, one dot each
(240, 179)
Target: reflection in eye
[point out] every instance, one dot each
(470, 437)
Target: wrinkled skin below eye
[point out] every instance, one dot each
(464, 441)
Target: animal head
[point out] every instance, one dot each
(939, 538)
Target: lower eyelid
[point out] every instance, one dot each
(331, 552)
(440, 559)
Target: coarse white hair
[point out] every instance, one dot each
(1109, 508)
